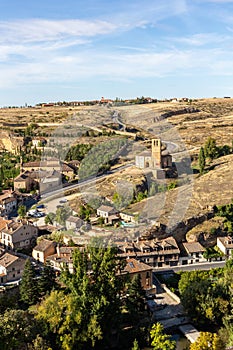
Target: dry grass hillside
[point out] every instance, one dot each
(188, 130)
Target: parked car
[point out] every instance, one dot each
(40, 206)
(64, 200)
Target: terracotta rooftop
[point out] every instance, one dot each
(3, 223)
(44, 244)
(194, 247)
(7, 259)
(8, 200)
(134, 266)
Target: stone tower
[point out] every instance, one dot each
(156, 152)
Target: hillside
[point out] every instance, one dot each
(186, 124)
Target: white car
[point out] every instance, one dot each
(64, 200)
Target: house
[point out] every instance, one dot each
(43, 249)
(62, 258)
(7, 205)
(18, 235)
(108, 213)
(135, 267)
(126, 217)
(39, 141)
(105, 101)
(194, 253)
(74, 223)
(50, 181)
(8, 202)
(50, 165)
(225, 244)
(68, 170)
(23, 182)
(156, 253)
(126, 249)
(11, 267)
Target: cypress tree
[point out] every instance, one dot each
(46, 282)
(28, 286)
(201, 160)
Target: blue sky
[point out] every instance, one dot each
(53, 50)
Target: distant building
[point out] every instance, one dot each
(42, 250)
(135, 267)
(39, 141)
(225, 244)
(105, 101)
(154, 252)
(8, 203)
(108, 213)
(50, 181)
(73, 223)
(157, 159)
(194, 253)
(128, 217)
(11, 268)
(50, 165)
(24, 181)
(62, 258)
(18, 235)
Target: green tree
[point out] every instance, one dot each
(28, 286)
(17, 329)
(201, 160)
(210, 148)
(39, 344)
(22, 211)
(159, 340)
(89, 310)
(205, 302)
(207, 341)
(49, 219)
(62, 214)
(135, 345)
(136, 295)
(47, 280)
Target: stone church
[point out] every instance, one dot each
(157, 159)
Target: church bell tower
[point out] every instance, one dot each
(156, 152)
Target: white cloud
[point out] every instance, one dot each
(118, 66)
(40, 30)
(202, 39)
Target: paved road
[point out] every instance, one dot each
(192, 267)
(61, 191)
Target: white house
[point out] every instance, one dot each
(225, 244)
(7, 205)
(73, 223)
(194, 253)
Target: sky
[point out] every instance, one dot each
(74, 50)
